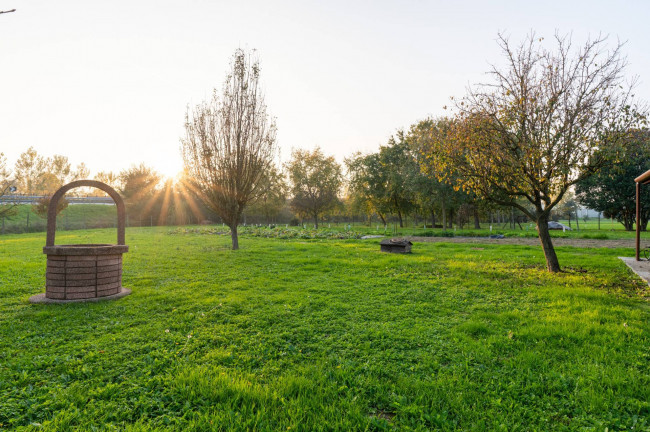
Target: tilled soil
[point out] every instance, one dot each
(581, 243)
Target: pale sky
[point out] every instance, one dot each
(107, 83)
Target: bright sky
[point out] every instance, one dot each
(107, 83)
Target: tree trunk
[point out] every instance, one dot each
(383, 220)
(315, 220)
(399, 215)
(628, 223)
(433, 219)
(477, 222)
(552, 264)
(577, 221)
(444, 215)
(235, 238)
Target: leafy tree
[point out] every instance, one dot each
(368, 184)
(6, 182)
(315, 180)
(400, 169)
(30, 172)
(612, 190)
(230, 143)
(534, 131)
(432, 194)
(42, 205)
(385, 180)
(273, 195)
(59, 167)
(140, 189)
(81, 172)
(110, 178)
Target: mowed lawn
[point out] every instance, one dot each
(309, 335)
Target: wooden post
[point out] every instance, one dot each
(638, 218)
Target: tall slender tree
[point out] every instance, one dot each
(230, 143)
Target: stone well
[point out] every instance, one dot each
(84, 271)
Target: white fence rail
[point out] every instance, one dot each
(33, 199)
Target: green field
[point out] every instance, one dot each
(294, 334)
(74, 217)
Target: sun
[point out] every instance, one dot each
(169, 169)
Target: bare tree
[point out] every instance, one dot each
(535, 130)
(230, 142)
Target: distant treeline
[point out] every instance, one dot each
(390, 186)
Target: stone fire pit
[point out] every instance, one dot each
(83, 272)
(396, 246)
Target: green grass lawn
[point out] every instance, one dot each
(306, 335)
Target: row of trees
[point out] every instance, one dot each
(229, 150)
(397, 181)
(34, 174)
(546, 122)
(394, 182)
(37, 175)
(310, 186)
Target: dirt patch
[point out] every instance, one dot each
(581, 243)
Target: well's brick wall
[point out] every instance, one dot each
(83, 276)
